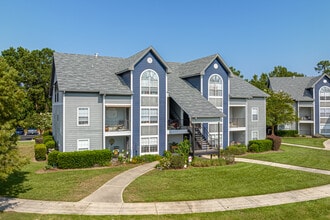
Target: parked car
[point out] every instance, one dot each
(19, 131)
(32, 131)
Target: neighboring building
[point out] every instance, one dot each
(312, 102)
(142, 104)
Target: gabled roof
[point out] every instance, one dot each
(296, 87)
(196, 106)
(239, 88)
(85, 73)
(129, 63)
(315, 80)
(198, 67)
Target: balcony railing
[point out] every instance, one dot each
(117, 125)
(237, 122)
(175, 124)
(306, 118)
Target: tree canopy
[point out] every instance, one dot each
(323, 67)
(11, 108)
(280, 109)
(236, 72)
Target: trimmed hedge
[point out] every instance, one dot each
(287, 133)
(52, 158)
(47, 139)
(50, 144)
(260, 145)
(47, 133)
(83, 159)
(237, 149)
(146, 158)
(40, 152)
(177, 161)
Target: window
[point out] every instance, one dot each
(255, 135)
(82, 144)
(215, 96)
(149, 112)
(215, 91)
(255, 114)
(83, 116)
(324, 98)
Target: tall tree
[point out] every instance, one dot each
(34, 70)
(260, 82)
(279, 109)
(11, 99)
(280, 71)
(323, 67)
(236, 72)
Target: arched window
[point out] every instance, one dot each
(149, 83)
(324, 98)
(215, 96)
(216, 91)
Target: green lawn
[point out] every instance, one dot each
(313, 142)
(241, 179)
(318, 209)
(318, 159)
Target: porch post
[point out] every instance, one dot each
(193, 139)
(218, 139)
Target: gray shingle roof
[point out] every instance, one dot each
(190, 99)
(84, 73)
(296, 87)
(239, 88)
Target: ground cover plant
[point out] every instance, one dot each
(298, 156)
(313, 142)
(241, 179)
(317, 209)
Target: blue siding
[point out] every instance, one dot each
(224, 75)
(158, 67)
(126, 78)
(317, 87)
(195, 81)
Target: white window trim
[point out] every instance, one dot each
(257, 109)
(149, 107)
(322, 125)
(84, 125)
(208, 90)
(83, 148)
(256, 132)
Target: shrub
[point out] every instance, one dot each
(276, 142)
(83, 159)
(287, 133)
(52, 158)
(47, 139)
(183, 148)
(47, 133)
(40, 152)
(201, 162)
(164, 163)
(177, 161)
(50, 145)
(229, 157)
(237, 149)
(260, 145)
(146, 158)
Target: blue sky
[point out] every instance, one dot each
(253, 36)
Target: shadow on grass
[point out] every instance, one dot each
(14, 186)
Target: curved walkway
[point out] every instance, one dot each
(99, 203)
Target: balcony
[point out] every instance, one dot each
(117, 121)
(237, 123)
(176, 126)
(117, 125)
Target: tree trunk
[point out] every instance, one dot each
(273, 129)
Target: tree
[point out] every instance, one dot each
(34, 70)
(261, 82)
(279, 71)
(323, 67)
(279, 109)
(236, 72)
(11, 97)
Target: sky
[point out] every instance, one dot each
(253, 36)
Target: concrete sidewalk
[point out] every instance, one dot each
(112, 191)
(107, 200)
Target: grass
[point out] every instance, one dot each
(241, 179)
(313, 142)
(318, 159)
(69, 185)
(317, 209)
